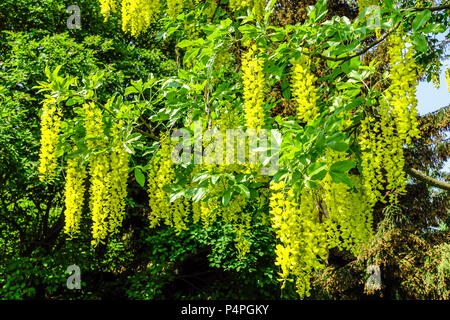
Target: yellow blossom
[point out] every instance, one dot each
(50, 129)
(137, 15)
(74, 195)
(304, 90)
(253, 81)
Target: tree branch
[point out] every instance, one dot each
(346, 58)
(151, 135)
(432, 9)
(429, 180)
(150, 132)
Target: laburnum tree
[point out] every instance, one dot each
(358, 180)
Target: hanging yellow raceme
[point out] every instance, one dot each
(118, 177)
(106, 7)
(99, 172)
(74, 195)
(304, 90)
(162, 173)
(392, 151)
(209, 210)
(371, 158)
(382, 140)
(50, 130)
(236, 5)
(108, 168)
(401, 94)
(331, 216)
(303, 238)
(100, 197)
(174, 8)
(137, 15)
(346, 213)
(362, 4)
(258, 6)
(211, 9)
(253, 81)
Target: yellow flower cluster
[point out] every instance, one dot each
(302, 236)
(118, 177)
(304, 90)
(382, 141)
(209, 208)
(366, 3)
(401, 95)
(371, 158)
(174, 7)
(349, 221)
(258, 6)
(74, 195)
(137, 15)
(421, 3)
(235, 213)
(50, 129)
(106, 6)
(98, 169)
(332, 216)
(99, 201)
(212, 6)
(318, 221)
(161, 173)
(253, 80)
(436, 73)
(236, 5)
(109, 173)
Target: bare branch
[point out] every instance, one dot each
(429, 180)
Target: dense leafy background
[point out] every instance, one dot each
(144, 263)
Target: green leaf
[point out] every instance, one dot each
(279, 175)
(311, 184)
(420, 42)
(286, 91)
(317, 170)
(340, 146)
(200, 177)
(242, 189)
(134, 137)
(71, 102)
(199, 193)
(421, 19)
(175, 196)
(215, 178)
(227, 197)
(130, 90)
(185, 43)
(342, 166)
(434, 28)
(191, 54)
(248, 28)
(276, 137)
(340, 177)
(140, 177)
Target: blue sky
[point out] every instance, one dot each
(430, 98)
